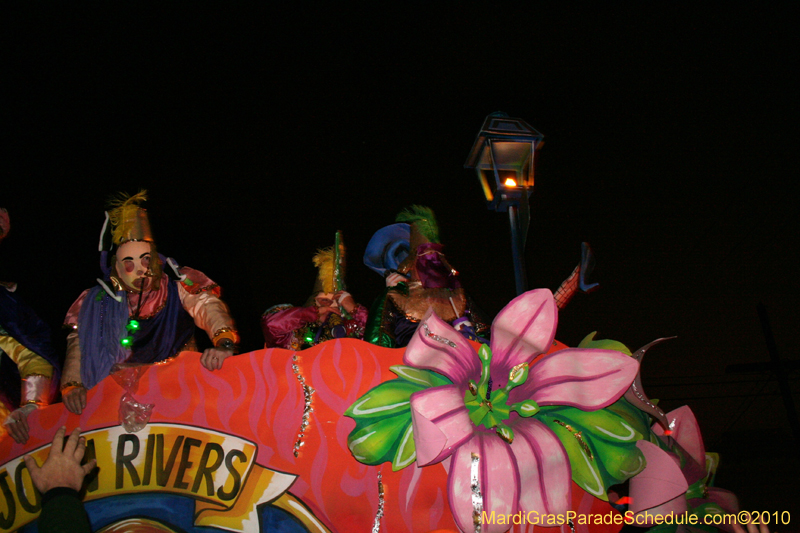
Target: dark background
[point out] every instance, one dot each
(669, 146)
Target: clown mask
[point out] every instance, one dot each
(133, 264)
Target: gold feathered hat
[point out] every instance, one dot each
(128, 220)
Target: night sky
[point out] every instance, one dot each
(670, 146)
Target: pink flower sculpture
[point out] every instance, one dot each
(681, 480)
(499, 457)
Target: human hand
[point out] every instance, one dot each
(345, 300)
(17, 423)
(394, 279)
(751, 527)
(75, 400)
(213, 358)
(324, 312)
(62, 468)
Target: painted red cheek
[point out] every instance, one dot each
(128, 266)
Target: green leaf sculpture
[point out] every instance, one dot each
(383, 431)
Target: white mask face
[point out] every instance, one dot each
(325, 299)
(133, 263)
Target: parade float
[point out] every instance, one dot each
(447, 434)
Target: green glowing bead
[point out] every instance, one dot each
(126, 341)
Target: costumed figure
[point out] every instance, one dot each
(330, 312)
(28, 364)
(137, 314)
(418, 277)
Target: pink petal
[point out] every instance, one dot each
(588, 379)
(498, 479)
(459, 364)
(687, 437)
(686, 432)
(660, 482)
(544, 471)
(522, 330)
(724, 498)
(676, 506)
(441, 422)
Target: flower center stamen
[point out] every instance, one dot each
(493, 414)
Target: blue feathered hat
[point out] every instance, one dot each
(388, 247)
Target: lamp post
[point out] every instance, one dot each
(502, 157)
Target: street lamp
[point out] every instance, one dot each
(502, 157)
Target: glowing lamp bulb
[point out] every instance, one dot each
(510, 182)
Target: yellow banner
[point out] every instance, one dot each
(215, 469)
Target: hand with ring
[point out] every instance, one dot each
(74, 399)
(17, 423)
(213, 358)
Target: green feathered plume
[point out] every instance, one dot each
(424, 219)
